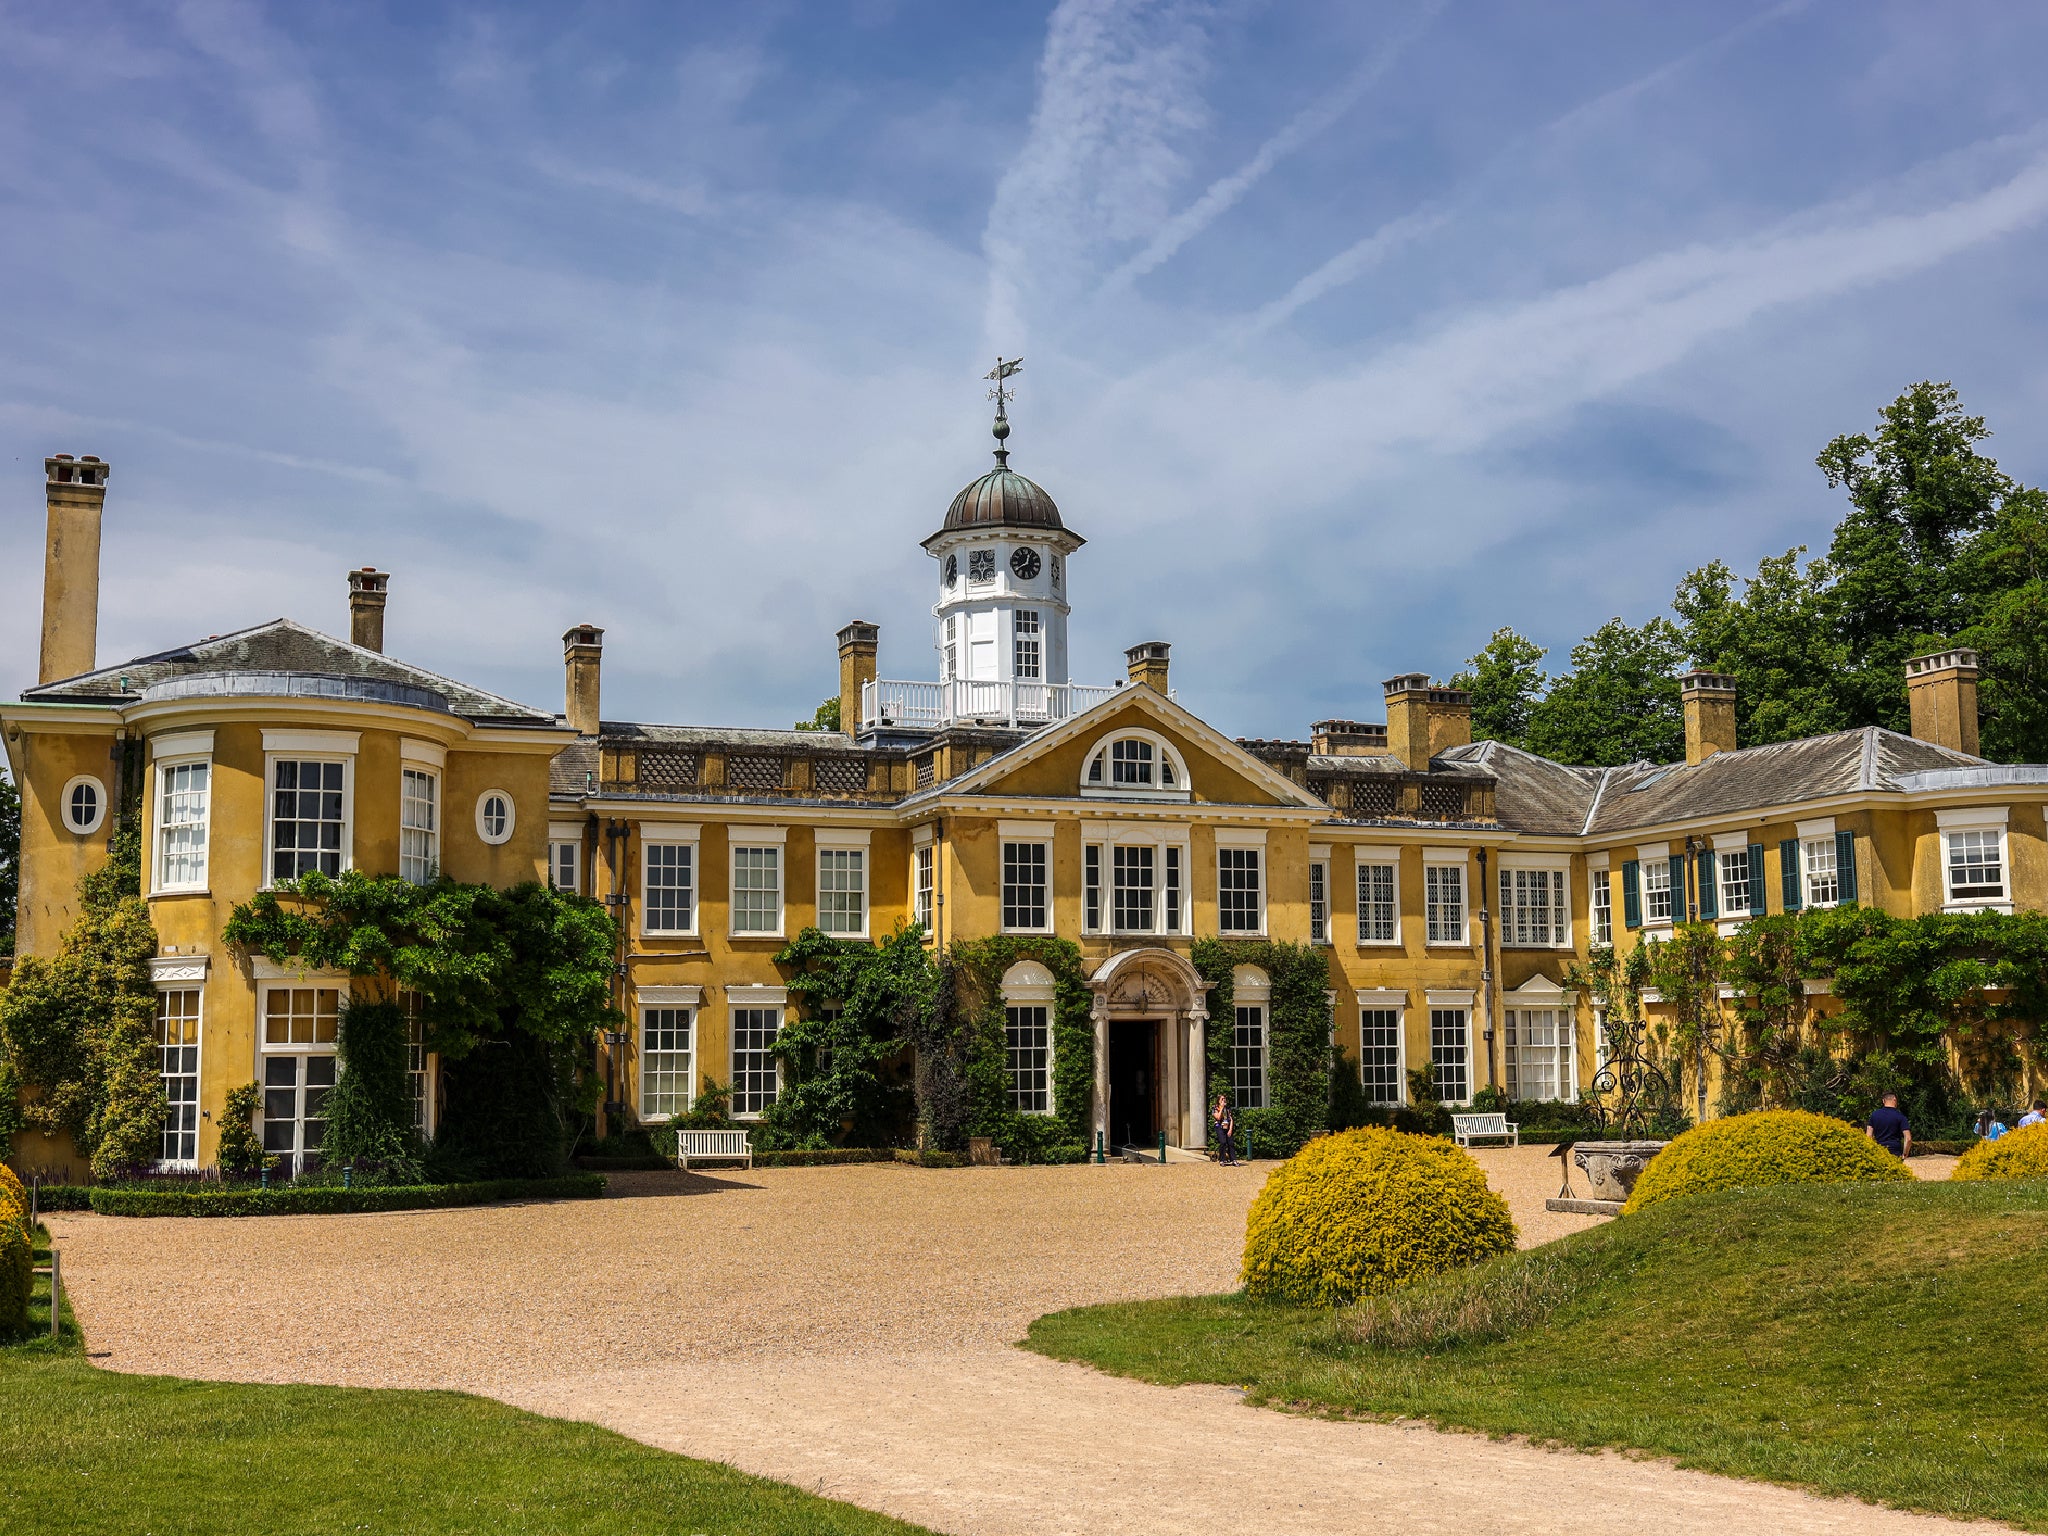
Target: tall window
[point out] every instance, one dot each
(300, 1025)
(306, 817)
(924, 888)
(1028, 1043)
(177, 1044)
(665, 1062)
(1603, 906)
(1091, 887)
(1318, 902)
(565, 866)
(419, 825)
(306, 1016)
(1169, 890)
(757, 890)
(950, 664)
(418, 1064)
(1450, 1054)
(1248, 1057)
(1539, 1050)
(1656, 890)
(181, 824)
(1377, 913)
(1443, 890)
(753, 1058)
(1379, 1054)
(1823, 877)
(669, 902)
(1238, 891)
(1532, 907)
(1024, 886)
(1133, 869)
(843, 890)
(1028, 646)
(1733, 869)
(1976, 865)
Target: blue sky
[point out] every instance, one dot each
(1351, 332)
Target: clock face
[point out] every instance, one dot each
(981, 565)
(1025, 564)
(952, 569)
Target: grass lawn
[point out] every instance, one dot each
(85, 1452)
(1886, 1341)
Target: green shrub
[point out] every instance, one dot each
(17, 1268)
(332, 1200)
(1361, 1212)
(12, 1191)
(2021, 1154)
(240, 1153)
(63, 1197)
(1777, 1146)
(822, 1157)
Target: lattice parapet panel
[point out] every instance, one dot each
(1371, 798)
(839, 775)
(924, 772)
(1443, 802)
(1324, 789)
(663, 769)
(753, 771)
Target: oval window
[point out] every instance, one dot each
(85, 804)
(494, 816)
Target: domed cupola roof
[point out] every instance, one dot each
(1002, 498)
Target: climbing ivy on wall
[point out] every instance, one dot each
(1298, 1056)
(964, 1089)
(858, 1006)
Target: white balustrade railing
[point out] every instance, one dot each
(965, 701)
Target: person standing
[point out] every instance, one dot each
(1889, 1127)
(2038, 1115)
(1989, 1126)
(1225, 1120)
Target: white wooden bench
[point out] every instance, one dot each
(713, 1146)
(1465, 1127)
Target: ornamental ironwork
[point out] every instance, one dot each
(1631, 1075)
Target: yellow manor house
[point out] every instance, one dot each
(1452, 882)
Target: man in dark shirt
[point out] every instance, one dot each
(1890, 1128)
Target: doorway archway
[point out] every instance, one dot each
(1151, 1015)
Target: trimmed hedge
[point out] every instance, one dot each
(327, 1200)
(821, 1157)
(930, 1159)
(64, 1197)
(2021, 1154)
(1774, 1146)
(1361, 1212)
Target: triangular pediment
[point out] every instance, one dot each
(1215, 769)
(1539, 990)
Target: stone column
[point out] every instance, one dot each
(1198, 1079)
(1099, 1012)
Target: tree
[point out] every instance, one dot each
(1919, 492)
(2010, 632)
(826, 717)
(1506, 680)
(1619, 702)
(1775, 639)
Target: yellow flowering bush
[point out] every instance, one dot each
(17, 1263)
(2021, 1154)
(1774, 1146)
(1361, 1212)
(12, 1191)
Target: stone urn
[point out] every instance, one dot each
(1612, 1167)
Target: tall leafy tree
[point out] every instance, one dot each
(2010, 630)
(1506, 679)
(1774, 638)
(1619, 702)
(1919, 493)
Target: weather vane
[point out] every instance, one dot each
(1001, 373)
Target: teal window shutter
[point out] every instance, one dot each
(1757, 907)
(1788, 867)
(1631, 895)
(1710, 895)
(1677, 888)
(1845, 863)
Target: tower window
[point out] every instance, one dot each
(1029, 647)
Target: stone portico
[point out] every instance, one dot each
(1151, 1016)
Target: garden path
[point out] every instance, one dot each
(847, 1330)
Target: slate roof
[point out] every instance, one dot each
(280, 646)
(1531, 794)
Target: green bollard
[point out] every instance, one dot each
(1099, 1159)
(1162, 1146)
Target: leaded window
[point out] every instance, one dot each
(665, 1053)
(1028, 1048)
(1024, 894)
(754, 1079)
(1238, 904)
(1378, 913)
(1443, 891)
(1248, 1057)
(1379, 1055)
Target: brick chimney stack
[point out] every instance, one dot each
(366, 594)
(1708, 699)
(1148, 664)
(76, 493)
(1941, 691)
(582, 651)
(859, 644)
(1424, 719)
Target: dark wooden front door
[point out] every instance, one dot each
(1134, 1082)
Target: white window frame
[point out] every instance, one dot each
(1600, 904)
(1816, 846)
(1098, 771)
(1459, 1002)
(1027, 645)
(834, 845)
(924, 862)
(422, 1066)
(1952, 823)
(648, 1055)
(1388, 859)
(165, 989)
(1557, 928)
(165, 765)
(308, 747)
(566, 835)
(432, 777)
(1012, 834)
(1251, 992)
(1318, 894)
(1435, 933)
(268, 1050)
(746, 839)
(1027, 984)
(1655, 859)
(1385, 1000)
(1563, 1053)
(1731, 852)
(483, 829)
(1240, 840)
(672, 835)
(1100, 844)
(99, 805)
(739, 999)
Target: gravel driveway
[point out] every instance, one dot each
(847, 1330)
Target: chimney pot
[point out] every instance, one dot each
(366, 597)
(1148, 662)
(582, 655)
(76, 498)
(1941, 692)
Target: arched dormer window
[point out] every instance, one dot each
(1135, 765)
